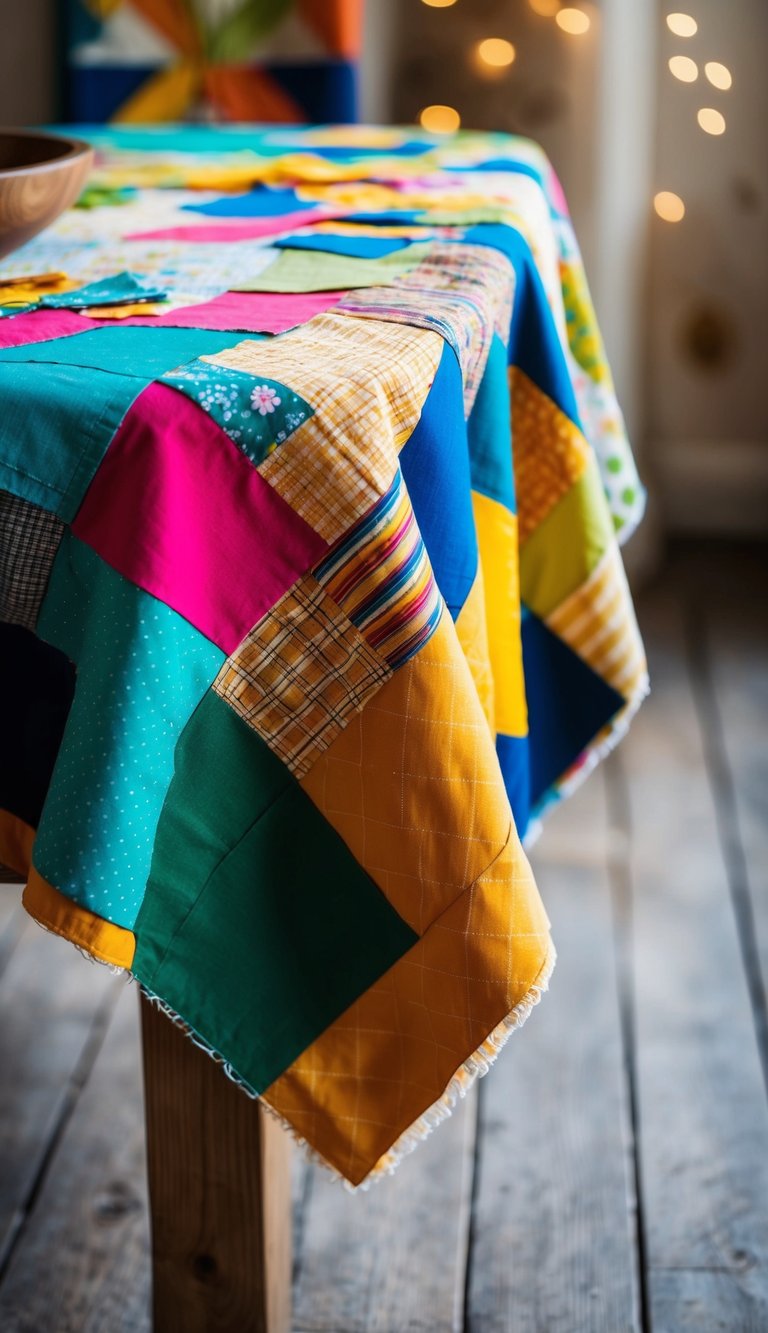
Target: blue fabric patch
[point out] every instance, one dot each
(568, 704)
(490, 431)
(359, 247)
(513, 753)
(262, 202)
(119, 289)
(503, 164)
(435, 466)
(256, 413)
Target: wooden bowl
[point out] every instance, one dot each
(40, 175)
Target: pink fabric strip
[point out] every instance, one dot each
(251, 230)
(180, 511)
(38, 326)
(247, 312)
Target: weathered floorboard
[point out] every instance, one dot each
(702, 1109)
(84, 1265)
(391, 1258)
(53, 1017)
(553, 1218)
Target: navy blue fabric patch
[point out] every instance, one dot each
(568, 704)
(435, 465)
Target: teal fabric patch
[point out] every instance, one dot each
(120, 289)
(489, 429)
(256, 413)
(61, 402)
(141, 671)
(258, 927)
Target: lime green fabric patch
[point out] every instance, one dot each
(253, 894)
(320, 271)
(564, 549)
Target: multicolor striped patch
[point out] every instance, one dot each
(381, 576)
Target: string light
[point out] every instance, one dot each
(684, 69)
(719, 75)
(711, 121)
(440, 119)
(573, 21)
(682, 25)
(547, 8)
(495, 52)
(669, 206)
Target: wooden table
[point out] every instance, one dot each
(219, 1187)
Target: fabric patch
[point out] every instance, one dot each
(550, 452)
(35, 326)
(123, 288)
(263, 202)
(141, 671)
(498, 548)
(259, 948)
(29, 540)
(367, 383)
(243, 312)
(257, 415)
(296, 271)
(300, 674)
(562, 551)
(218, 233)
(341, 243)
(179, 510)
(380, 575)
(462, 292)
(489, 431)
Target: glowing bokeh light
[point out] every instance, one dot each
(719, 75)
(684, 69)
(496, 52)
(711, 121)
(547, 8)
(440, 119)
(669, 206)
(439, 4)
(682, 25)
(573, 21)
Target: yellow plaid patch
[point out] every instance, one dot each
(367, 382)
(550, 453)
(301, 674)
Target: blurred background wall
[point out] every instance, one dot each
(681, 302)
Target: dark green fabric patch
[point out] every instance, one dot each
(64, 399)
(258, 926)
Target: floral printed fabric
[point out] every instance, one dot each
(257, 414)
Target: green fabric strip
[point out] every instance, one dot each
(258, 926)
(564, 549)
(320, 271)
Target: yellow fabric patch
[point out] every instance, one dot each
(562, 552)
(472, 631)
(367, 381)
(550, 453)
(163, 97)
(102, 939)
(598, 622)
(395, 1050)
(412, 783)
(497, 545)
(16, 839)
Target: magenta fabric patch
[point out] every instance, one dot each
(39, 326)
(246, 312)
(251, 230)
(177, 508)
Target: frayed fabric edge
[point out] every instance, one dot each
(475, 1066)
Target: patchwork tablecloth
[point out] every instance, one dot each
(312, 487)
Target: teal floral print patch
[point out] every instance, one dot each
(256, 413)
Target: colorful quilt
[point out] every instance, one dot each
(312, 484)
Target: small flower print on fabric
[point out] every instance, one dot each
(257, 416)
(264, 399)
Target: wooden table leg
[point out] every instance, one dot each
(219, 1192)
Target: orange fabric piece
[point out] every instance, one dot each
(338, 22)
(16, 839)
(102, 939)
(426, 730)
(175, 20)
(240, 93)
(550, 452)
(397, 1048)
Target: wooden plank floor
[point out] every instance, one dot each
(610, 1175)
